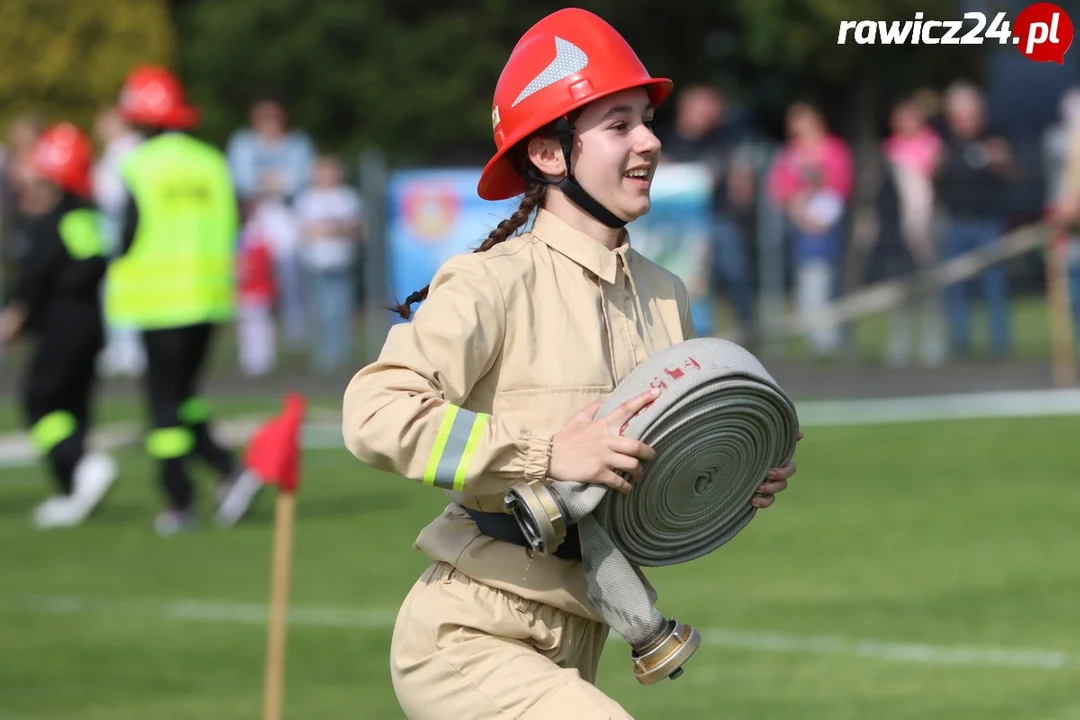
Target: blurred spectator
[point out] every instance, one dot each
(269, 157)
(328, 214)
(271, 164)
(123, 353)
(18, 201)
(1057, 146)
(16, 178)
(811, 180)
(912, 152)
(276, 223)
(930, 102)
(16, 196)
(256, 339)
(704, 132)
(117, 139)
(1062, 157)
(970, 187)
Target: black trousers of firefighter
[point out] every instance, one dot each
(174, 361)
(57, 390)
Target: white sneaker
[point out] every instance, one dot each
(93, 476)
(237, 498)
(54, 512)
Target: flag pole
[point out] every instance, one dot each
(1063, 356)
(274, 684)
(273, 457)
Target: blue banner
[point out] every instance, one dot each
(433, 215)
(675, 233)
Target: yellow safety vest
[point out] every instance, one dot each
(181, 267)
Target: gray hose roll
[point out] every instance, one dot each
(720, 423)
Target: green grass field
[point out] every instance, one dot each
(933, 537)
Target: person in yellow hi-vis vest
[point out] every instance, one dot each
(174, 280)
(55, 304)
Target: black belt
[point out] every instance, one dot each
(504, 527)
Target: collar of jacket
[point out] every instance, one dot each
(579, 247)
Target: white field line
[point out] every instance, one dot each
(965, 406)
(225, 611)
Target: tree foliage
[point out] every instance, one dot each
(408, 77)
(415, 77)
(64, 59)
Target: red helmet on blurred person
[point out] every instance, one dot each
(63, 155)
(153, 96)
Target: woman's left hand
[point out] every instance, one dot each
(775, 481)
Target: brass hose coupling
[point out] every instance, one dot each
(665, 654)
(539, 515)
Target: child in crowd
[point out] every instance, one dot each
(328, 216)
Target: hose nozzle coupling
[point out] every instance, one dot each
(538, 514)
(665, 654)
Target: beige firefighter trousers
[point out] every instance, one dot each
(463, 650)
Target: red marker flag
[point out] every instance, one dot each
(273, 453)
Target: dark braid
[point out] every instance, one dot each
(534, 194)
(533, 198)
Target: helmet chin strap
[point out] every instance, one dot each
(569, 184)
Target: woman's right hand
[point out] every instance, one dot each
(592, 450)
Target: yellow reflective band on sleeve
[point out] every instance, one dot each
(455, 445)
(475, 433)
(51, 430)
(169, 443)
(440, 445)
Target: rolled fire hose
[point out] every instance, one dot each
(719, 424)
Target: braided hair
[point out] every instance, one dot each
(533, 198)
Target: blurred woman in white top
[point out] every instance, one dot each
(328, 215)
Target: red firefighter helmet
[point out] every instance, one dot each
(567, 60)
(153, 96)
(62, 154)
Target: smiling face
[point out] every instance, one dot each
(615, 152)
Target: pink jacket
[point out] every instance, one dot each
(793, 169)
(918, 152)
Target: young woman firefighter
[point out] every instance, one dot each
(501, 371)
(56, 302)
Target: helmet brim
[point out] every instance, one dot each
(80, 184)
(183, 117)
